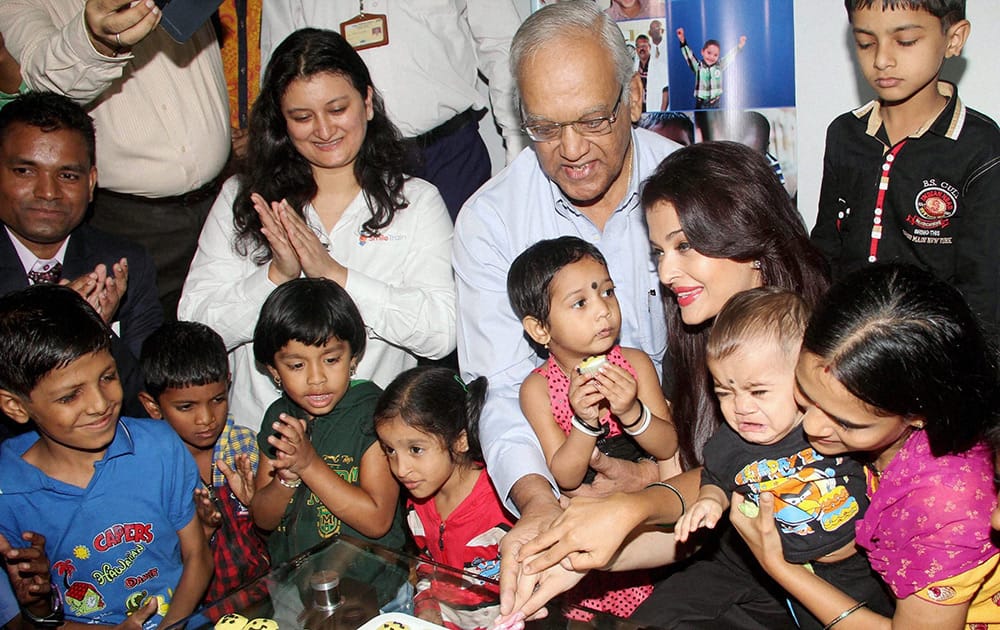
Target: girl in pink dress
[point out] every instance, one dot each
(592, 396)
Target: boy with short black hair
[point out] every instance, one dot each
(111, 495)
(914, 175)
(187, 382)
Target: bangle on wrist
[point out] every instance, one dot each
(645, 417)
(844, 615)
(291, 485)
(637, 420)
(680, 497)
(599, 431)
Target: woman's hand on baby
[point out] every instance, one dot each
(620, 389)
(704, 513)
(295, 451)
(284, 264)
(760, 532)
(584, 397)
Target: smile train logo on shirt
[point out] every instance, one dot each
(364, 239)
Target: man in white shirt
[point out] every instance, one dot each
(427, 74)
(579, 97)
(161, 111)
(657, 92)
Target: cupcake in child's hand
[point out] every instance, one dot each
(592, 365)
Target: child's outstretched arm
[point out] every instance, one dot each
(568, 456)
(659, 437)
(686, 51)
(198, 569)
(705, 512)
(730, 56)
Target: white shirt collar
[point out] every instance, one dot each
(28, 258)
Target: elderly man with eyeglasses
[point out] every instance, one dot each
(579, 97)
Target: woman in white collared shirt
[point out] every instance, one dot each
(323, 194)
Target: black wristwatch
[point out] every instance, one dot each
(55, 617)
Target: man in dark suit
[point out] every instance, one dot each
(47, 179)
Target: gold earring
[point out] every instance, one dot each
(277, 381)
(918, 425)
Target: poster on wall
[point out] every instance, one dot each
(715, 70)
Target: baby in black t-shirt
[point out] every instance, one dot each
(752, 352)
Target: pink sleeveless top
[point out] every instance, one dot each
(558, 382)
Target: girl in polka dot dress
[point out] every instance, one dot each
(592, 396)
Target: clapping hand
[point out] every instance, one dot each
(284, 264)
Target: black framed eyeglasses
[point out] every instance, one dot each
(591, 126)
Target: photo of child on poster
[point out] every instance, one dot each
(737, 54)
(716, 70)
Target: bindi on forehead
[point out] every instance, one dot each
(593, 285)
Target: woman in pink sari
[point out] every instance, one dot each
(895, 370)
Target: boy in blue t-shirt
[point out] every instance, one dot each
(111, 495)
(914, 175)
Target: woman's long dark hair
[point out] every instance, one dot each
(275, 169)
(731, 205)
(906, 344)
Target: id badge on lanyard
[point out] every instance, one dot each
(365, 30)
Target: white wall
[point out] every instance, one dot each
(827, 82)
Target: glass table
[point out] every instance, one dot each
(346, 583)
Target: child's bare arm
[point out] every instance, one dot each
(660, 438)
(271, 497)
(705, 512)
(567, 456)
(368, 507)
(198, 568)
(680, 35)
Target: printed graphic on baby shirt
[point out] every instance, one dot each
(806, 494)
